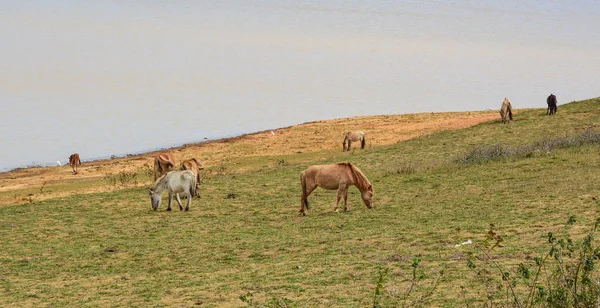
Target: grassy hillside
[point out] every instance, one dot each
(245, 239)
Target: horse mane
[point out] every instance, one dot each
(361, 180)
(159, 179)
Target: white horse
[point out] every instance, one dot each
(174, 182)
(354, 136)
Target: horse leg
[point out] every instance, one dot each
(189, 196)
(346, 199)
(170, 199)
(349, 144)
(179, 201)
(306, 191)
(198, 191)
(340, 194)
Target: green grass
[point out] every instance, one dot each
(111, 249)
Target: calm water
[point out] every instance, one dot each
(109, 78)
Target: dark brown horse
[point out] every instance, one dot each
(74, 162)
(163, 163)
(338, 176)
(552, 104)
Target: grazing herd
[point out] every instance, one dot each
(506, 108)
(339, 176)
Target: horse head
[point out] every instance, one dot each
(367, 196)
(199, 164)
(154, 199)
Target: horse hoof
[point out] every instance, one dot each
(169, 209)
(187, 209)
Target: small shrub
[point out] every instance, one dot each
(110, 180)
(127, 178)
(560, 278)
(147, 170)
(34, 165)
(416, 282)
(123, 178)
(486, 153)
(407, 169)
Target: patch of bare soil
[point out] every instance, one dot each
(304, 138)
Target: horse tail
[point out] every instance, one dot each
(193, 188)
(304, 198)
(363, 141)
(510, 116)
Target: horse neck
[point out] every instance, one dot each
(361, 181)
(160, 185)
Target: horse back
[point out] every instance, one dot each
(179, 181)
(165, 158)
(192, 164)
(74, 159)
(355, 136)
(328, 176)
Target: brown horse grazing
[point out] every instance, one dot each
(506, 111)
(74, 162)
(353, 136)
(163, 163)
(552, 104)
(338, 176)
(195, 166)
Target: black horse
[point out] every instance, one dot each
(552, 108)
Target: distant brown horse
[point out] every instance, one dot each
(338, 176)
(351, 137)
(163, 163)
(552, 104)
(195, 166)
(74, 162)
(506, 111)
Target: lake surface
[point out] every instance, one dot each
(110, 78)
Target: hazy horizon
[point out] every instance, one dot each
(112, 77)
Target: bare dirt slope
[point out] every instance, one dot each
(304, 138)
